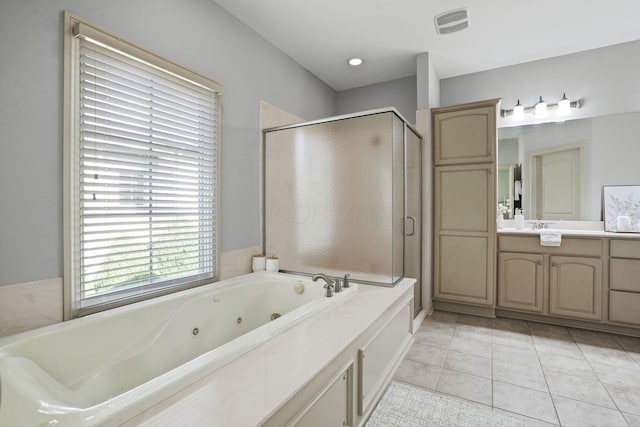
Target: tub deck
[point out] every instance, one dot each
(248, 391)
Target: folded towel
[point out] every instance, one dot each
(550, 237)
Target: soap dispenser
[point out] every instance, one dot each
(519, 219)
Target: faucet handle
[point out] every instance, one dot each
(345, 280)
(329, 288)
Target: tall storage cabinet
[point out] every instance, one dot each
(464, 145)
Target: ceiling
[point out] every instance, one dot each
(322, 35)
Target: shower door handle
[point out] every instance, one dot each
(413, 226)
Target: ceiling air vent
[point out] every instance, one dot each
(452, 21)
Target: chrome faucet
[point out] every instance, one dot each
(330, 284)
(345, 280)
(540, 224)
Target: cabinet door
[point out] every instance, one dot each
(464, 198)
(575, 287)
(520, 281)
(464, 240)
(464, 136)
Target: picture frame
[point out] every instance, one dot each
(621, 206)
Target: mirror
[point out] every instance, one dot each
(556, 171)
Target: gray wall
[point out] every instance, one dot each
(608, 79)
(195, 33)
(400, 93)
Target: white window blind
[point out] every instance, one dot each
(145, 219)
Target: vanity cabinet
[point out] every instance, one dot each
(464, 141)
(624, 282)
(521, 281)
(575, 287)
(563, 281)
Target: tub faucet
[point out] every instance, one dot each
(330, 284)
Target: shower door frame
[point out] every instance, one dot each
(406, 127)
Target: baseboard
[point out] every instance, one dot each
(464, 309)
(417, 321)
(601, 327)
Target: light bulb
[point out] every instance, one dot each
(355, 62)
(564, 106)
(541, 109)
(518, 112)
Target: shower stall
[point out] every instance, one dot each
(343, 195)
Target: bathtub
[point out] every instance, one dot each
(105, 368)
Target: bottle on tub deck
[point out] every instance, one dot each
(258, 263)
(272, 264)
(519, 219)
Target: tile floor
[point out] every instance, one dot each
(552, 374)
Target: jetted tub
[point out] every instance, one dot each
(105, 368)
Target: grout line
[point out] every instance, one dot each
(598, 377)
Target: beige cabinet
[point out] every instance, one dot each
(465, 133)
(575, 287)
(624, 282)
(464, 203)
(520, 281)
(564, 281)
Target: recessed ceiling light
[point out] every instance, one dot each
(355, 62)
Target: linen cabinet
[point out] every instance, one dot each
(464, 141)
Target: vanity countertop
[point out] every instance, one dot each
(571, 233)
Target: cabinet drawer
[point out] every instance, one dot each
(569, 246)
(624, 274)
(625, 248)
(623, 307)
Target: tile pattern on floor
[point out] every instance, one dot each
(551, 375)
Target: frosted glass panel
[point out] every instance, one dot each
(398, 198)
(331, 204)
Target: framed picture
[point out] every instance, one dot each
(621, 205)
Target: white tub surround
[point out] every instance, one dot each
(30, 305)
(105, 368)
(278, 383)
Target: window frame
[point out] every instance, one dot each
(73, 27)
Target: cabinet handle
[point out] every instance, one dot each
(553, 264)
(539, 262)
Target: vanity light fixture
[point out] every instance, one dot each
(354, 62)
(518, 112)
(564, 106)
(542, 109)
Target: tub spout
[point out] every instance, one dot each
(330, 284)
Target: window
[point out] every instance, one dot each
(141, 173)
